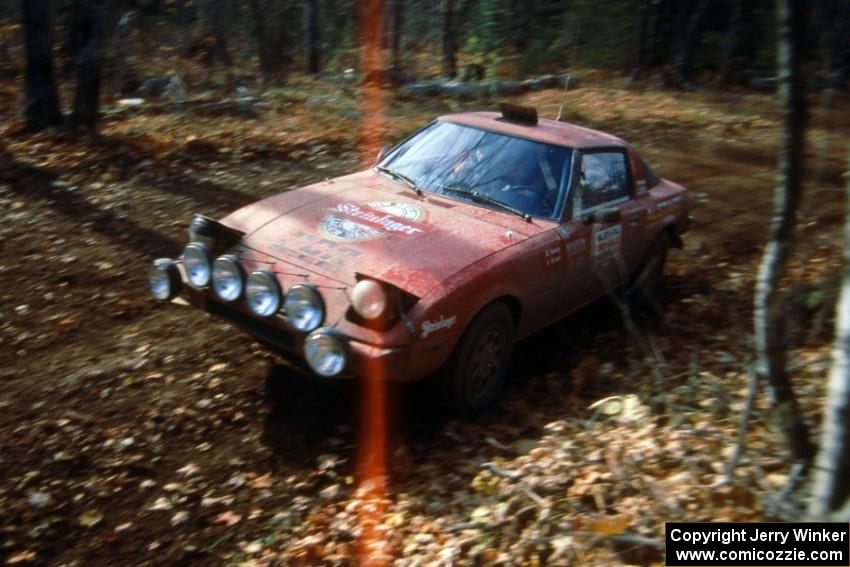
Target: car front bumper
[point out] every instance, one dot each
(365, 360)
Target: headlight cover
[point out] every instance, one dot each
(326, 353)
(305, 307)
(197, 262)
(164, 279)
(369, 299)
(228, 277)
(263, 292)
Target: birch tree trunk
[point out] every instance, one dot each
(769, 307)
(831, 486)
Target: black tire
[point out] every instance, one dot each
(476, 372)
(649, 279)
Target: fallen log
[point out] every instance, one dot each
(457, 89)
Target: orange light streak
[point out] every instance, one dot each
(372, 550)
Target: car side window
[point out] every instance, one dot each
(603, 179)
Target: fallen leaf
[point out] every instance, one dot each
(90, 518)
(188, 469)
(162, 503)
(228, 518)
(263, 481)
(21, 557)
(611, 525)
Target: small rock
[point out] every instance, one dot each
(331, 492)
(162, 503)
(179, 518)
(90, 518)
(38, 499)
(237, 481)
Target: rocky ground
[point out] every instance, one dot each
(135, 433)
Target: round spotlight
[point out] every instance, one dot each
(369, 299)
(263, 292)
(228, 277)
(164, 279)
(197, 263)
(326, 353)
(305, 307)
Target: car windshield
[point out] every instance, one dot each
(488, 168)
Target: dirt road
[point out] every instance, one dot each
(133, 433)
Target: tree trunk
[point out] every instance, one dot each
(184, 18)
(218, 16)
(831, 487)
(734, 36)
(769, 308)
(693, 36)
(86, 40)
(833, 24)
(42, 102)
(270, 31)
(663, 36)
(312, 21)
(449, 39)
(124, 74)
(641, 58)
(398, 31)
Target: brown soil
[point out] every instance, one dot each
(135, 433)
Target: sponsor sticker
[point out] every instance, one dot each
(664, 209)
(552, 255)
(443, 322)
(352, 222)
(606, 244)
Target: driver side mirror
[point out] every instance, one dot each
(605, 215)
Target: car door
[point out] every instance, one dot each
(604, 205)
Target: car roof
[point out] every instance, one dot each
(548, 131)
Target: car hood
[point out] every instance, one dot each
(365, 224)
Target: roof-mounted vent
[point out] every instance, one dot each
(519, 114)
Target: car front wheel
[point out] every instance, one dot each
(648, 281)
(477, 370)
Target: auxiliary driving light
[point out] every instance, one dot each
(228, 277)
(305, 307)
(326, 352)
(197, 262)
(164, 279)
(263, 292)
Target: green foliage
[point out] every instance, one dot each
(552, 33)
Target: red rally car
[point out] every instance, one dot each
(476, 231)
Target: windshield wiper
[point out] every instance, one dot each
(481, 198)
(399, 177)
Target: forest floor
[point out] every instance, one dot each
(133, 433)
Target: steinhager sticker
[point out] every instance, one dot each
(351, 222)
(443, 322)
